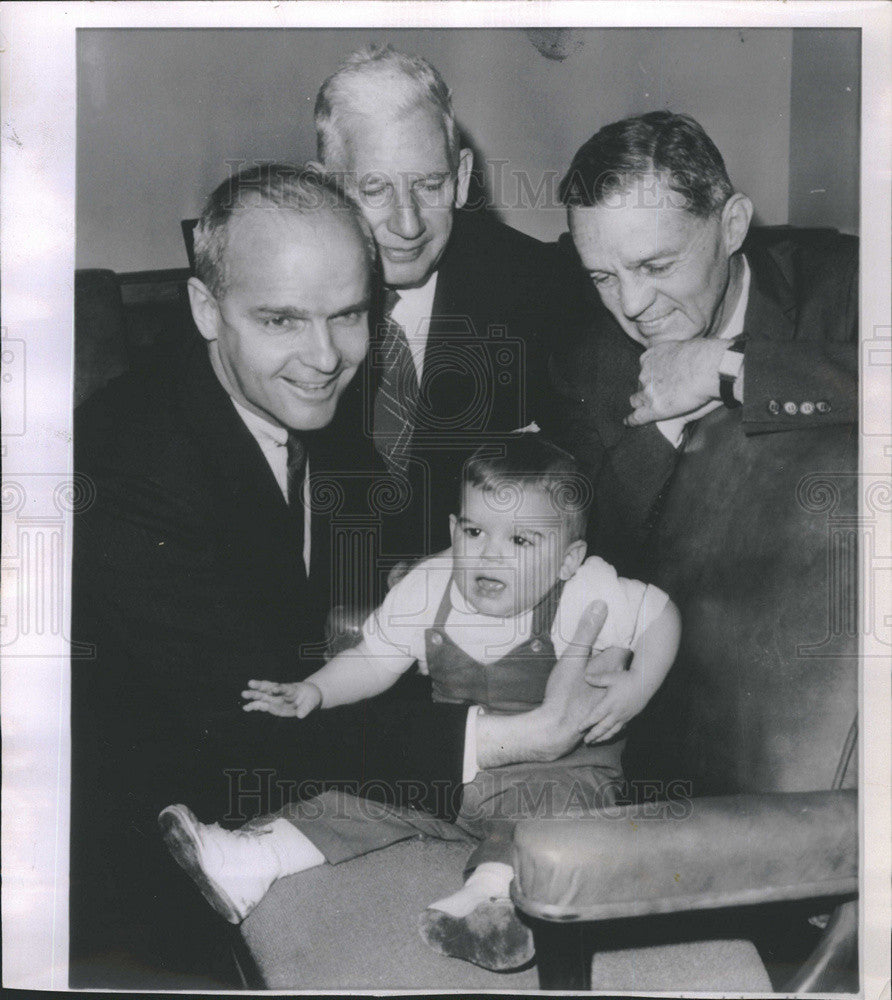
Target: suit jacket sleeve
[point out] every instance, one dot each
(815, 363)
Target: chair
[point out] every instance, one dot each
(755, 727)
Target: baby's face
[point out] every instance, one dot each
(510, 545)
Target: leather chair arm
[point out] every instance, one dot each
(700, 853)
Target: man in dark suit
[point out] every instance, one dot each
(221, 480)
(471, 306)
(694, 312)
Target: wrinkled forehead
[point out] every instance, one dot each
(411, 140)
(632, 229)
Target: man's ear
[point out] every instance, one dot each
(573, 558)
(463, 176)
(204, 307)
(736, 217)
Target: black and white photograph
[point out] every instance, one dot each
(446, 505)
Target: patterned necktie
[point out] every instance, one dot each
(397, 396)
(297, 465)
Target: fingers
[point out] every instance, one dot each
(600, 735)
(271, 687)
(644, 414)
(588, 629)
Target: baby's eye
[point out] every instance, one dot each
(521, 541)
(471, 531)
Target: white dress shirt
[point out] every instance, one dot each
(273, 441)
(413, 313)
(673, 428)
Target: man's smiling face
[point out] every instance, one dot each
(661, 270)
(290, 328)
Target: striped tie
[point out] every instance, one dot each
(397, 396)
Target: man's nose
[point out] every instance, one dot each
(405, 219)
(635, 295)
(318, 349)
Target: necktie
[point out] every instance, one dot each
(397, 396)
(297, 465)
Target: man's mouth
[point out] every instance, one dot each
(649, 327)
(313, 389)
(402, 256)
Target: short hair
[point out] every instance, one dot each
(376, 79)
(280, 186)
(527, 460)
(659, 142)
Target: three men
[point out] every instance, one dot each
(200, 563)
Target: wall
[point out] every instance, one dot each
(163, 115)
(824, 133)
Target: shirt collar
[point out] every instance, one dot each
(734, 326)
(263, 430)
(415, 301)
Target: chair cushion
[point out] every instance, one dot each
(353, 926)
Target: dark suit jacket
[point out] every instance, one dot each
(187, 576)
(502, 300)
(801, 320)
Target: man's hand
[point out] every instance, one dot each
(297, 699)
(677, 377)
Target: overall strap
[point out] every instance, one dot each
(545, 611)
(444, 607)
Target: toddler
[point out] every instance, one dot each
(487, 620)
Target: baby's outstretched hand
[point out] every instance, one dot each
(624, 698)
(297, 699)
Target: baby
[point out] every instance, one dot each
(487, 620)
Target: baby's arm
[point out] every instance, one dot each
(628, 691)
(349, 677)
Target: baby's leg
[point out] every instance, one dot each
(479, 923)
(235, 868)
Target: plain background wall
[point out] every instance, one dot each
(164, 116)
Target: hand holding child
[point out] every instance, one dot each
(297, 699)
(624, 697)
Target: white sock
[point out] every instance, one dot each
(488, 881)
(293, 850)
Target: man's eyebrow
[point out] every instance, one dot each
(356, 307)
(288, 311)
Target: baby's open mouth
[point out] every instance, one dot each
(489, 585)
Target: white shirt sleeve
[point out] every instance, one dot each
(397, 627)
(631, 606)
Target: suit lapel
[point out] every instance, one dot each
(260, 513)
(771, 308)
(642, 459)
